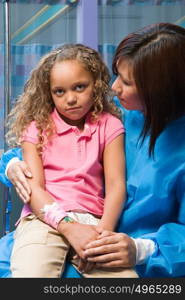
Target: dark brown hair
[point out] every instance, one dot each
(156, 54)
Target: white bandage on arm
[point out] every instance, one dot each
(12, 161)
(53, 214)
(144, 248)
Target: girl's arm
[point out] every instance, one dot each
(115, 189)
(77, 234)
(39, 196)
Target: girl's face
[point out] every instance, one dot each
(72, 88)
(125, 87)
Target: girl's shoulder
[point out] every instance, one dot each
(32, 127)
(108, 118)
(30, 131)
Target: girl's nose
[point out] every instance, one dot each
(71, 99)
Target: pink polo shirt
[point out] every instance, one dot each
(73, 162)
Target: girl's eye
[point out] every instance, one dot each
(59, 92)
(80, 87)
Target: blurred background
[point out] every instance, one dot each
(31, 28)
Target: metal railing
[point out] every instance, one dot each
(6, 207)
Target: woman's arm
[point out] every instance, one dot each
(18, 172)
(165, 258)
(114, 173)
(14, 171)
(4, 160)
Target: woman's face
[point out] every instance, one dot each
(125, 87)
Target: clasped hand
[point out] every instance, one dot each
(93, 245)
(111, 250)
(100, 248)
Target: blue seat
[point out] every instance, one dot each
(6, 244)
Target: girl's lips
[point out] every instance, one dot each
(73, 108)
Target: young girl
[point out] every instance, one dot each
(72, 140)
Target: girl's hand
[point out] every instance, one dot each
(79, 235)
(17, 173)
(111, 250)
(85, 266)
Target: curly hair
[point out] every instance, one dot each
(36, 103)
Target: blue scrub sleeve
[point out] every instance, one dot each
(5, 158)
(168, 260)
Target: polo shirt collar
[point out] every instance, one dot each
(62, 126)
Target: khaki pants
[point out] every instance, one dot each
(39, 251)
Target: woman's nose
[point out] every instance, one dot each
(116, 87)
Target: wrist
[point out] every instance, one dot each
(53, 214)
(68, 219)
(64, 226)
(103, 226)
(144, 249)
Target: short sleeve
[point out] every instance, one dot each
(113, 128)
(30, 134)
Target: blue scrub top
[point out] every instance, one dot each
(155, 205)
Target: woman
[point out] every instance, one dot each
(150, 85)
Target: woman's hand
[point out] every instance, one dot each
(17, 173)
(111, 250)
